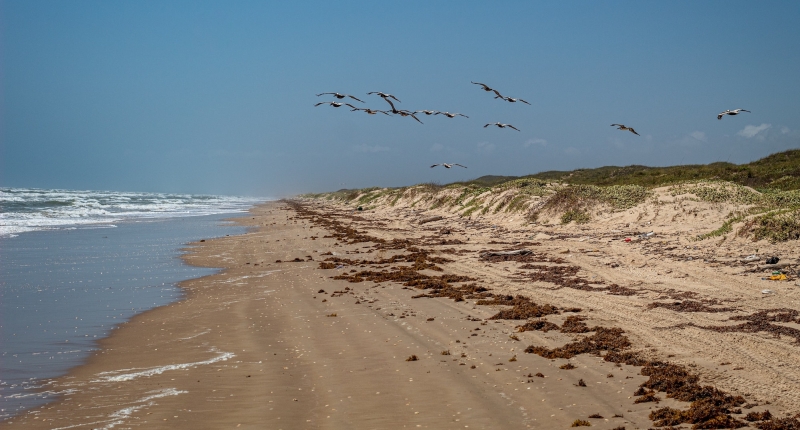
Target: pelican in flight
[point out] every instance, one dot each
(451, 115)
(622, 127)
(731, 112)
(511, 99)
(487, 88)
(448, 165)
(501, 125)
(341, 96)
(370, 111)
(335, 104)
(403, 112)
(428, 112)
(386, 97)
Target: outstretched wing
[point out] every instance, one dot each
(483, 85)
(719, 116)
(523, 101)
(487, 125)
(355, 98)
(322, 94)
(462, 115)
(617, 125)
(435, 165)
(390, 104)
(321, 103)
(456, 164)
(498, 94)
(348, 104)
(511, 126)
(415, 117)
(634, 132)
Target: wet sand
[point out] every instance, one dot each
(260, 345)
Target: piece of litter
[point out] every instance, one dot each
(766, 291)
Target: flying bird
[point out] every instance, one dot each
(386, 97)
(341, 96)
(501, 125)
(370, 111)
(403, 112)
(487, 88)
(731, 112)
(428, 112)
(511, 99)
(622, 127)
(451, 115)
(335, 104)
(448, 165)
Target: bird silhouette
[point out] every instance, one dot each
(622, 127)
(386, 97)
(487, 88)
(731, 112)
(335, 104)
(501, 125)
(448, 165)
(341, 96)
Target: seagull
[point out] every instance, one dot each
(428, 112)
(731, 112)
(486, 88)
(341, 96)
(512, 100)
(501, 125)
(370, 111)
(622, 127)
(335, 104)
(385, 97)
(448, 165)
(403, 112)
(451, 115)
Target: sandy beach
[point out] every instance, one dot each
(400, 339)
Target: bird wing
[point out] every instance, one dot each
(719, 116)
(615, 125)
(373, 92)
(743, 110)
(389, 95)
(456, 164)
(320, 103)
(498, 94)
(478, 83)
(390, 104)
(322, 94)
(462, 115)
(487, 125)
(415, 117)
(434, 165)
(634, 132)
(523, 101)
(509, 125)
(348, 104)
(355, 98)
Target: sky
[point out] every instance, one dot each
(218, 97)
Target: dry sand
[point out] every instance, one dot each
(258, 345)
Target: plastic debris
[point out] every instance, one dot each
(627, 239)
(767, 291)
(773, 260)
(752, 257)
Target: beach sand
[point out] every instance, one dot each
(282, 345)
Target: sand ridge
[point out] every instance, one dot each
(258, 344)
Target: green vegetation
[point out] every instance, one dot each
(777, 226)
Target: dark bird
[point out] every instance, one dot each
(448, 165)
(370, 111)
(403, 112)
(386, 97)
(622, 127)
(341, 96)
(451, 115)
(511, 99)
(501, 125)
(731, 112)
(335, 104)
(487, 88)
(428, 112)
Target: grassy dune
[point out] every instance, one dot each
(762, 198)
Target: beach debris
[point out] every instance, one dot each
(772, 260)
(595, 416)
(448, 165)
(646, 235)
(767, 291)
(730, 112)
(581, 423)
(430, 219)
(568, 366)
(627, 239)
(580, 383)
(341, 96)
(501, 125)
(752, 257)
(412, 358)
(505, 253)
(624, 128)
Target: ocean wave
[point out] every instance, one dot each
(30, 209)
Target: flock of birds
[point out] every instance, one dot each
(413, 114)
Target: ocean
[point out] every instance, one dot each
(75, 264)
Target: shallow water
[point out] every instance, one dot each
(62, 290)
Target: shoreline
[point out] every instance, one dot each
(255, 344)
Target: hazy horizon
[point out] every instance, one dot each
(218, 98)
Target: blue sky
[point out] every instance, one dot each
(217, 97)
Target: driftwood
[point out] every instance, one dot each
(769, 267)
(431, 219)
(505, 253)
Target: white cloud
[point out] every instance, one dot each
(536, 141)
(486, 147)
(370, 148)
(699, 135)
(437, 147)
(751, 130)
(785, 130)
